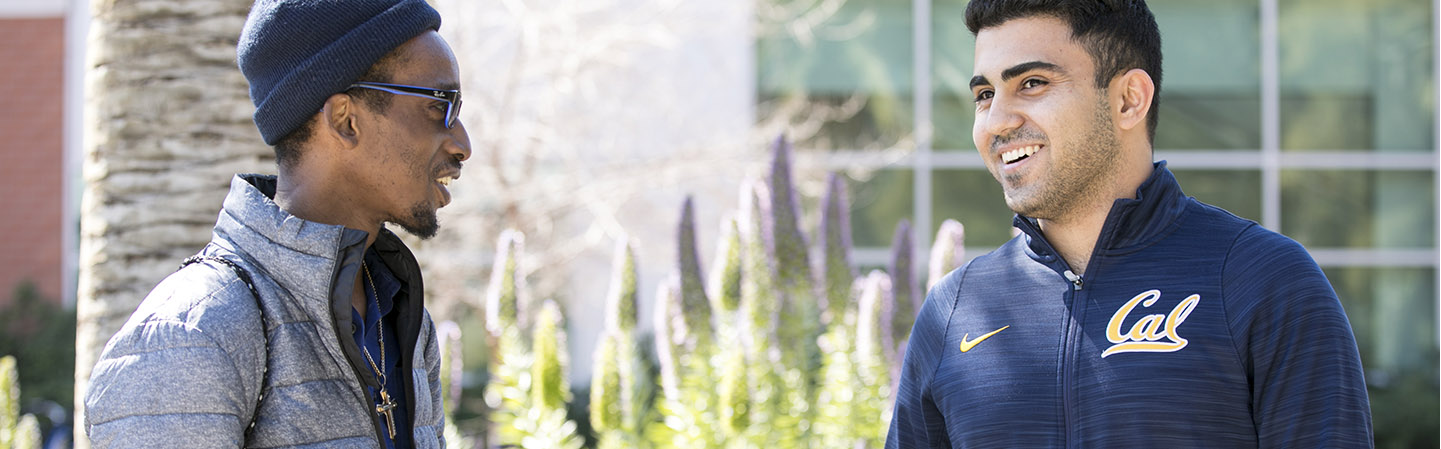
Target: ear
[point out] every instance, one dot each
(1135, 91)
(337, 118)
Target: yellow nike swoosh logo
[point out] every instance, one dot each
(967, 345)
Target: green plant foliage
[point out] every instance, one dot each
(760, 307)
(620, 303)
(769, 354)
(507, 394)
(15, 431)
(725, 283)
(1403, 407)
(506, 295)
(873, 398)
(546, 428)
(689, 418)
(790, 249)
(40, 333)
(9, 400)
(448, 335)
(839, 391)
(684, 328)
(26, 434)
(839, 394)
(835, 231)
(800, 313)
(620, 321)
(670, 335)
(759, 301)
(543, 423)
(948, 252)
(454, 437)
(732, 382)
(901, 315)
(551, 389)
(734, 393)
(647, 395)
(620, 403)
(694, 305)
(605, 406)
(788, 244)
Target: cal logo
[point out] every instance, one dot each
(1152, 333)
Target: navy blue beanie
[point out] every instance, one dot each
(297, 53)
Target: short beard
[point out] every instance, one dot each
(1090, 170)
(421, 223)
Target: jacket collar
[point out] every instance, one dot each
(302, 256)
(317, 263)
(1132, 222)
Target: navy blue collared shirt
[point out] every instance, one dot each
(367, 332)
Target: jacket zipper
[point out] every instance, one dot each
(1068, 366)
(1074, 278)
(1073, 325)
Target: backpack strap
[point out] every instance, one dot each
(264, 327)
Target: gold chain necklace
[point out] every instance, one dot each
(386, 406)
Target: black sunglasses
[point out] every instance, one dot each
(450, 97)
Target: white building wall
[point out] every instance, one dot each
(615, 110)
(15, 9)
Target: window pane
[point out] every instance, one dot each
(1393, 313)
(849, 74)
(974, 198)
(952, 66)
(1211, 83)
(879, 201)
(1357, 75)
(1359, 209)
(1238, 191)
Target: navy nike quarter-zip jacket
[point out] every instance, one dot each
(1190, 328)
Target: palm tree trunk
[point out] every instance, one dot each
(167, 123)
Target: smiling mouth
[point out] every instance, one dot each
(442, 182)
(1018, 154)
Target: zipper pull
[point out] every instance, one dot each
(1074, 278)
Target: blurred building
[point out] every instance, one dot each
(37, 113)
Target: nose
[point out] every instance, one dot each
(459, 144)
(1000, 119)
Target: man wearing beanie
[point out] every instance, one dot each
(302, 323)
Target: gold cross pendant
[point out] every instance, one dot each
(384, 407)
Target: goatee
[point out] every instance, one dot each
(422, 222)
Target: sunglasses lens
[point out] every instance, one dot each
(452, 114)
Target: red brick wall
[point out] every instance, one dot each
(32, 60)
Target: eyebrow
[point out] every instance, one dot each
(1017, 70)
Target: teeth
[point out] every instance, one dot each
(445, 181)
(1019, 153)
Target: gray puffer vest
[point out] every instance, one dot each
(191, 368)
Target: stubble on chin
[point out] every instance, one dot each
(1019, 198)
(1064, 185)
(422, 222)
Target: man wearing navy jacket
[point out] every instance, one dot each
(1126, 314)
